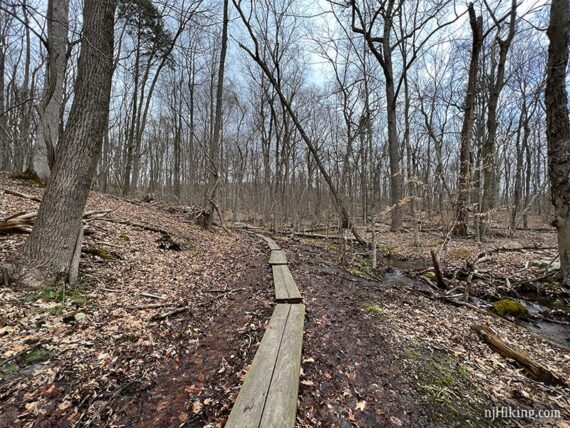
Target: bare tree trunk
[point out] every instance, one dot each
(23, 96)
(54, 236)
(3, 123)
(214, 174)
(463, 184)
(558, 127)
(410, 163)
(490, 185)
(130, 149)
(52, 101)
(396, 179)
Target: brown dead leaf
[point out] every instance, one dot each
(196, 407)
(161, 405)
(193, 389)
(64, 405)
(183, 417)
(360, 405)
(396, 421)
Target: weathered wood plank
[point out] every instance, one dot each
(249, 405)
(278, 257)
(286, 290)
(281, 403)
(270, 242)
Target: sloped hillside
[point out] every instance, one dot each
(158, 332)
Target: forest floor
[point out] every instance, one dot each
(95, 355)
(376, 351)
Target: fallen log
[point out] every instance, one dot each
(22, 222)
(153, 306)
(533, 368)
(151, 296)
(21, 195)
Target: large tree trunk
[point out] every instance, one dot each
(396, 178)
(488, 153)
(214, 173)
(3, 123)
(467, 127)
(49, 249)
(52, 101)
(558, 127)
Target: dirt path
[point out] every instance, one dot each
(378, 354)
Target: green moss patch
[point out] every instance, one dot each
(56, 310)
(38, 355)
(508, 307)
(373, 308)
(387, 250)
(8, 369)
(30, 176)
(444, 385)
(362, 268)
(58, 294)
(102, 254)
(460, 253)
(124, 237)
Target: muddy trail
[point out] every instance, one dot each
(377, 353)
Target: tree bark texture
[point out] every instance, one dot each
(558, 127)
(51, 244)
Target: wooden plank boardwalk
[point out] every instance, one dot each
(268, 396)
(278, 257)
(270, 242)
(286, 290)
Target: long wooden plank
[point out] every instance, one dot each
(278, 257)
(286, 290)
(248, 408)
(281, 402)
(271, 243)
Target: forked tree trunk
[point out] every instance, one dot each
(558, 127)
(49, 250)
(488, 152)
(52, 102)
(463, 184)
